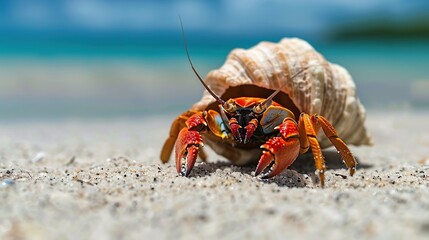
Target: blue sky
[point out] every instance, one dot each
(217, 17)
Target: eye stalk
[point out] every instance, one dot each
(261, 107)
(230, 106)
(258, 109)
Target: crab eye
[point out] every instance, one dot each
(258, 109)
(229, 106)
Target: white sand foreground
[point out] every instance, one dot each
(103, 180)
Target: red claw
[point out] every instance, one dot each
(280, 152)
(191, 157)
(264, 161)
(187, 145)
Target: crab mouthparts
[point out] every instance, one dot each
(241, 133)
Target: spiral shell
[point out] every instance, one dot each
(326, 89)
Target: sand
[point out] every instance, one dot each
(102, 179)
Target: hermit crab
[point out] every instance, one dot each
(267, 105)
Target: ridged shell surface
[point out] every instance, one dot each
(326, 89)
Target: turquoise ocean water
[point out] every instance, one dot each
(60, 78)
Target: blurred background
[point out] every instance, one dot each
(98, 59)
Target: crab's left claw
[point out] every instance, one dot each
(186, 152)
(279, 152)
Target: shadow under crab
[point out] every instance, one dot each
(296, 176)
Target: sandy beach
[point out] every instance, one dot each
(89, 89)
(102, 179)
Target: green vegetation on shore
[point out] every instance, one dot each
(417, 27)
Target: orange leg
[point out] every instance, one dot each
(279, 152)
(307, 138)
(308, 128)
(339, 144)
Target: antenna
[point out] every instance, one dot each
(270, 98)
(195, 71)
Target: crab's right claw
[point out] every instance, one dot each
(186, 152)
